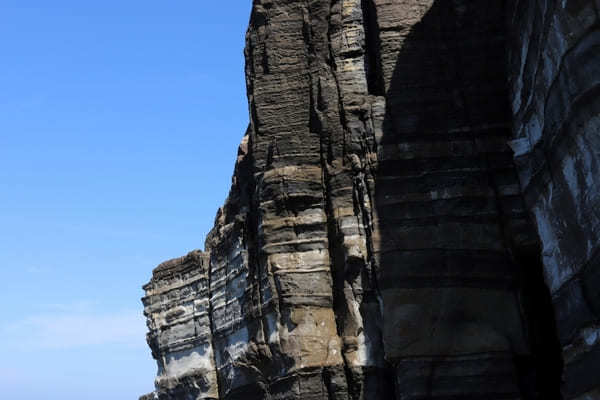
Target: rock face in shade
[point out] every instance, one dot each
(376, 242)
(555, 93)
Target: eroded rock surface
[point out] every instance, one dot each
(376, 243)
(555, 93)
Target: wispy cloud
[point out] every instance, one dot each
(77, 326)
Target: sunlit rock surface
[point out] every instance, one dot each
(391, 232)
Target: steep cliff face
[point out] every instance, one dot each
(375, 243)
(555, 93)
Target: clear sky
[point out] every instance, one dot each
(119, 125)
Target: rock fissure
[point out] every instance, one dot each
(372, 45)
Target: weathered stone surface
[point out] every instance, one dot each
(376, 243)
(178, 312)
(555, 93)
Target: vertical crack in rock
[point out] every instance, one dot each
(372, 48)
(387, 234)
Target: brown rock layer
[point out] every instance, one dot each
(376, 243)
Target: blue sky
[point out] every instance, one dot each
(119, 125)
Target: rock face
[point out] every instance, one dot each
(381, 240)
(555, 93)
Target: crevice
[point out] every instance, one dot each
(542, 372)
(265, 60)
(336, 257)
(335, 251)
(372, 48)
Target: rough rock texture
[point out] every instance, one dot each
(555, 94)
(376, 243)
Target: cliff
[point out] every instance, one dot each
(413, 212)
(555, 95)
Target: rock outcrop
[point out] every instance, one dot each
(555, 94)
(381, 239)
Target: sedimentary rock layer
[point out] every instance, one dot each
(376, 243)
(555, 93)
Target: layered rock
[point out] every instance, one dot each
(180, 337)
(555, 93)
(375, 243)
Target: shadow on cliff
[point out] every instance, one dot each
(443, 199)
